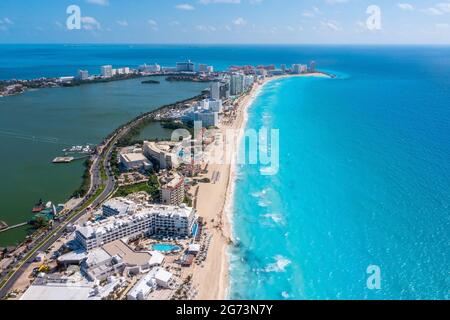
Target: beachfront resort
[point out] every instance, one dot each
(162, 232)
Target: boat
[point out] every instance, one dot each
(38, 207)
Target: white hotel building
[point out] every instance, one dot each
(133, 219)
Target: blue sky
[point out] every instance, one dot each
(226, 21)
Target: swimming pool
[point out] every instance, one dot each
(195, 230)
(165, 247)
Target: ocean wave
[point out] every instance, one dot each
(263, 203)
(268, 171)
(279, 265)
(275, 217)
(260, 194)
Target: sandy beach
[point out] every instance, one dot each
(214, 205)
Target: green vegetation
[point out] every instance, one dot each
(115, 163)
(40, 222)
(150, 82)
(128, 139)
(84, 188)
(187, 201)
(151, 187)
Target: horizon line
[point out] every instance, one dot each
(226, 44)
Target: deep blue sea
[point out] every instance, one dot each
(364, 173)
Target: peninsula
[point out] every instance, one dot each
(164, 217)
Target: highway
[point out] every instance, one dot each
(99, 161)
(59, 227)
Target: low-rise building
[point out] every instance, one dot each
(165, 153)
(150, 282)
(135, 161)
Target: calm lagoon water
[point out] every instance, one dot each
(36, 126)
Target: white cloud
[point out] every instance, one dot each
(122, 23)
(240, 22)
(330, 25)
(204, 28)
(90, 23)
(185, 7)
(99, 2)
(153, 24)
(6, 21)
(439, 9)
(442, 25)
(405, 6)
(315, 11)
(444, 7)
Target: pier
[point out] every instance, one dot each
(68, 159)
(4, 227)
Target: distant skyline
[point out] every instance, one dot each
(226, 22)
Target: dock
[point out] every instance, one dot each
(63, 159)
(7, 228)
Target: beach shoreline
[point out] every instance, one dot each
(215, 205)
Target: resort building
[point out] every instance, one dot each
(146, 219)
(164, 153)
(207, 118)
(83, 75)
(215, 90)
(237, 84)
(99, 265)
(149, 68)
(187, 66)
(216, 106)
(157, 277)
(118, 206)
(106, 71)
(299, 68)
(172, 190)
(202, 68)
(312, 66)
(225, 90)
(135, 161)
(248, 81)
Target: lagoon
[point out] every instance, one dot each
(37, 125)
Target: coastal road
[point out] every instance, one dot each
(59, 228)
(101, 160)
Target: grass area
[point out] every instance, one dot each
(151, 187)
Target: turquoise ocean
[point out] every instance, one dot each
(364, 174)
(364, 180)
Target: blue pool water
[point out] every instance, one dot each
(195, 230)
(165, 247)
